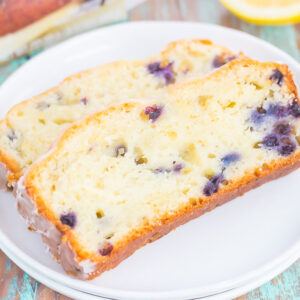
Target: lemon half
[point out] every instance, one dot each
(276, 12)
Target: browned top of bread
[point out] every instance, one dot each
(16, 14)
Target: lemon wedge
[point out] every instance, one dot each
(265, 12)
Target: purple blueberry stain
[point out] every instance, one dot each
(258, 115)
(230, 158)
(159, 71)
(271, 141)
(277, 110)
(281, 143)
(177, 168)
(106, 248)
(218, 61)
(69, 219)
(286, 148)
(280, 138)
(221, 60)
(212, 186)
(161, 170)
(282, 128)
(153, 112)
(230, 57)
(12, 136)
(277, 77)
(294, 109)
(273, 110)
(84, 101)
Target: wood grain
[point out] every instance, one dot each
(15, 284)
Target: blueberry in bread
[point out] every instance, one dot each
(30, 127)
(125, 176)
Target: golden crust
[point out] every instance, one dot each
(187, 44)
(196, 207)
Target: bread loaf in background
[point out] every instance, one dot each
(17, 14)
(29, 25)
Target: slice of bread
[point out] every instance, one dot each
(30, 127)
(127, 175)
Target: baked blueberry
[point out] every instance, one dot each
(158, 70)
(277, 110)
(271, 141)
(106, 248)
(258, 115)
(69, 219)
(282, 128)
(285, 149)
(230, 158)
(177, 168)
(294, 109)
(230, 57)
(277, 77)
(212, 186)
(221, 60)
(153, 112)
(218, 61)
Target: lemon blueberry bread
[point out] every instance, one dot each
(30, 127)
(126, 175)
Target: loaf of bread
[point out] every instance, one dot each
(29, 25)
(30, 127)
(17, 14)
(127, 175)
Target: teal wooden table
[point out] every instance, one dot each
(15, 284)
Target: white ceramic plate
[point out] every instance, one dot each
(76, 294)
(227, 248)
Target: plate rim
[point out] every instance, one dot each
(232, 293)
(191, 292)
